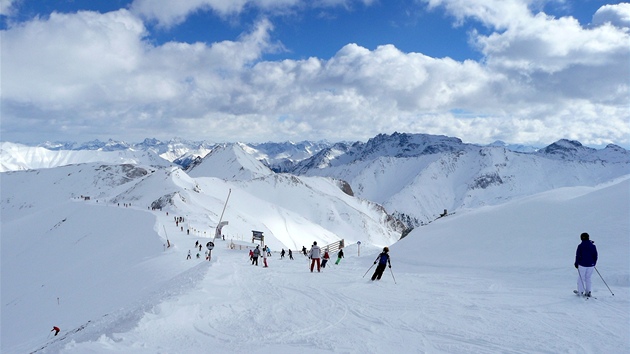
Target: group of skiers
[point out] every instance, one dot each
(314, 255)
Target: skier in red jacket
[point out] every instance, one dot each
(56, 329)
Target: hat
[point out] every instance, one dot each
(314, 242)
(385, 249)
(584, 236)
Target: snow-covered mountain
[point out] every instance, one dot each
(230, 162)
(281, 157)
(416, 177)
(278, 156)
(17, 157)
(319, 200)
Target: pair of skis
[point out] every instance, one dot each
(583, 295)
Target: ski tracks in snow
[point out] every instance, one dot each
(233, 306)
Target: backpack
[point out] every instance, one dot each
(383, 258)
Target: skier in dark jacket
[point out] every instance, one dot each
(256, 255)
(383, 261)
(339, 256)
(585, 261)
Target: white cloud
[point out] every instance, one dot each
(170, 13)
(7, 7)
(618, 15)
(95, 75)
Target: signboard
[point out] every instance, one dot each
(210, 245)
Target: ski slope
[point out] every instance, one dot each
(496, 279)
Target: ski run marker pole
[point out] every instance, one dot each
(604, 281)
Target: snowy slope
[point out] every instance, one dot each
(16, 157)
(322, 201)
(460, 286)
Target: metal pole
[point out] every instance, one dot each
(390, 269)
(604, 281)
(221, 218)
(166, 234)
(368, 270)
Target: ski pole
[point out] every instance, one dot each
(390, 269)
(368, 270)
(604, 281)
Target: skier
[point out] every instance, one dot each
(325, 258)
(56, 329)
(290, 254)
(188, 255)
(282, 254)
(383, 261)
(256, 255)
(198, 256)
(585, 261)
(339, 256)
(251, 255)
(314, 255)
(304, 250)
(265, 259)
(268, 251)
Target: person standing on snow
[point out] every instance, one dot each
(290, 254)
(304, 250)
(325, 258)
(265, 259)
(314, 255)
(585, 261)
(256, 255)
(188, 255)
(251, 256)
(282, 254)
(339, 256)
(383, 261)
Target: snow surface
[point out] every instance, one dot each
(496, 279)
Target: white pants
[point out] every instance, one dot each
(584, 278)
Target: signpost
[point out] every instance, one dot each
(359, 248)
(210, 246)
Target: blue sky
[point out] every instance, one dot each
(224, 70)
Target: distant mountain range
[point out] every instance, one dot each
(415, 177)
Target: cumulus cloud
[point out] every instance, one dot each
(171, 13)
(96, 74)
(7, 7)
(617, 15)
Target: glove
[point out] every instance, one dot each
(374, 262)
(390, 266)
(576, 266)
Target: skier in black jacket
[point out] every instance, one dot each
(585, 261)
(383, 261)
